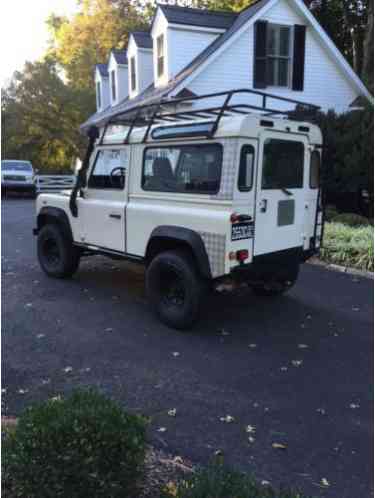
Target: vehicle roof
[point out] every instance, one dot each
(230, 127)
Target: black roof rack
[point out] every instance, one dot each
(147, 115)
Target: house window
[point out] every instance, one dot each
(98, 95)
(278, 55)
(160, 55)
(132, 74)
(113, 85)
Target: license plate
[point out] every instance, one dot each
(242, 231)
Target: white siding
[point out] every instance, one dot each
(143, 67)
(184, 45)
(104, 86)
(121, 79)
(325, 82)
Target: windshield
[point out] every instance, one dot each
(16, 165)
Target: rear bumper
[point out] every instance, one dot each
(271, 263)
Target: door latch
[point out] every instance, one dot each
(116, 216)
(263, 205)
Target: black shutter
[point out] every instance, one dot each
(260, 54)
(299, 57)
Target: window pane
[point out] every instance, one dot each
(282, 164)
(272, 40)
(314, 169)
(98, 95)
(132, 73)
(283, 66)
(106, 161)
(245, 175)
(189, 169)
(284, 41)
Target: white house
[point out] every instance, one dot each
(276, 46)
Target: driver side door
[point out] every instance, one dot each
(102, 209)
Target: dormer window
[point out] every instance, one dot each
(133, 81)
(98, 95)
(278, 55)
(113, 86)
(160, 55)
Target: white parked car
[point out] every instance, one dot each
(17, 176)
(232, 192)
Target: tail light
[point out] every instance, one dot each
(242, 255)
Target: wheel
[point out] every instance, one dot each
(175, 288)
(282, 282)
(57, 256)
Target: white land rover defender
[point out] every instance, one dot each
(195, 195)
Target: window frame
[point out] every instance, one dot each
(113, 85)
(315, 153)
(180, 146)
(92, 169)
(278, 57)
(160, 59)
(241, 188)
(99, 94)
(133, 74)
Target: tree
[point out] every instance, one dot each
(41, 117)
(79, 43)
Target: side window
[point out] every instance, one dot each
(109, 171)
(282, 164)
(246, 170)
(184, 168)
(315, 169)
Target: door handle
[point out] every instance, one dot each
(116, 216)
(263, 205)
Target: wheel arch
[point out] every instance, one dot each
(49, 214)
(168, 237)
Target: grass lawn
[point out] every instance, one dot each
(349, 246)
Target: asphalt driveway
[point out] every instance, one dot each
(299, 369)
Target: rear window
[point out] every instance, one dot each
(16, 166)
(183, 168)
(282, 164)
(246, 170)
(314, 169)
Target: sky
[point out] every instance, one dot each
(24, 34)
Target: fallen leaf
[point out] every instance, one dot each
(162, 429)
(265, 483)
(46, 381)
(303, 346)
(108, 329)
(324, 482)
(297, 363)
(252, 346)
(251, 439)
(255, 405)
(23, 391)
(176, 354)
(171, 488)
(40, 336)
(354, 406)
(250, 429)
(355, 308)
(279, 446)
(68, 369)
(172, 412)
(228, 419)
(28, 305)
(224, 332)
(283, 369)
(321, 411)
(3, 391)
(56, 398)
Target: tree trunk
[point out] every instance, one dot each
(368, 49)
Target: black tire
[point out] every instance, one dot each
(57, 256)
(280, 284)
(175, 289)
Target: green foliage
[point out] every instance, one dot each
(78, 44)
(41, 118)
(219, 482)
(330, 212)
(348, 156)
(349, 246)
(351, 219)
(79, 447)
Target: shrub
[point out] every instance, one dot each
(219, 482)
(351, 219)
(330, 212)
(349, 246)
(83, 446)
